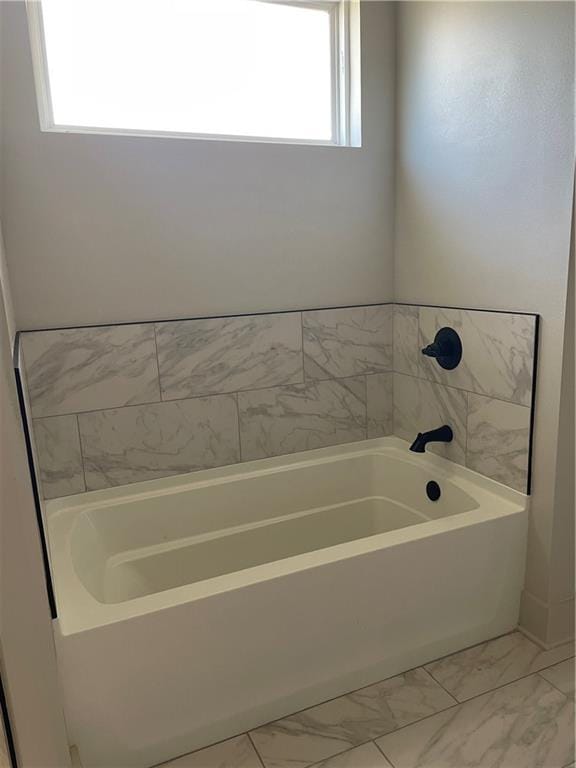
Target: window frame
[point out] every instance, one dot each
(345, 82)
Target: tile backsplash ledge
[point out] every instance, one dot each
(119, 404)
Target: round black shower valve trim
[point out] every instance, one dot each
(446, 348)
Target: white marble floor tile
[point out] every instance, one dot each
(494, 663)
(366, 756)
(561, 676)
(320, 732)
(526, 724)
(234, 753)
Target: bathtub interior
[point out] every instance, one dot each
(142, 546)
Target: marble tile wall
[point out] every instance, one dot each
(487, 399)
(118, 404)
(115, 405)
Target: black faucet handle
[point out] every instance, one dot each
(446, 348)
(432, 350)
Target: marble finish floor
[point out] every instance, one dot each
(505, 703)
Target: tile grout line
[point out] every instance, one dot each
(466, 430)
(365, 407)
(157, 363)
(304, 377)
(437, 383)
(506, 634)
(569, 696)
(344, 752)
(379, 748)
(240, 459)
(356, 690)
(81, 453)
(431, 676)
(255, 748)
(504, 685)
(171, 760)
(228, 393)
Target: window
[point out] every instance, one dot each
(266, 70)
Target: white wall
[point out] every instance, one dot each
(105, 229)
(27, 656)
(562, 550)
(484, 183)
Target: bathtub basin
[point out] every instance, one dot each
(197, 607)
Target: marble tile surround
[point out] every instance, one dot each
(301, 417)
(487, 399)
(84, 369)
(294, 381)
(420, 405)
(58, 446)
(126, 445)
(498, 352)
(498, 439)
(228, 354)
(347, 342)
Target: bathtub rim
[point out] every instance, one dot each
(79, 611)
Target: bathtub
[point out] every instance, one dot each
(194, 608)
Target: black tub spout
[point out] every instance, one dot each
(441, 435)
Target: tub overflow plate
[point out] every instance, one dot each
(433, 490)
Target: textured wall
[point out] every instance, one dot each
(27, 657)
(104, 229)
(485, 166)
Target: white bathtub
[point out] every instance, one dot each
(197, 607)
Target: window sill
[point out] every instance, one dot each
(214, 137)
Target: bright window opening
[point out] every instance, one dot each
(248, 69)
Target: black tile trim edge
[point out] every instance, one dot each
(34, 483)
(465, 309)
(533, 405)
(7, 726)
(275, 312)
